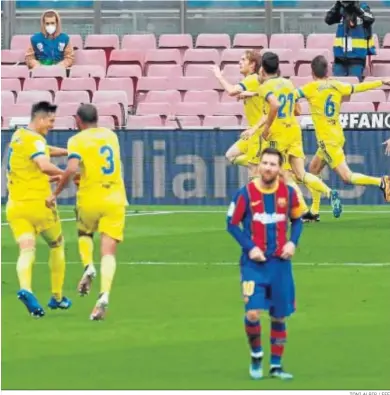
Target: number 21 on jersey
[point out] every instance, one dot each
(107, 152)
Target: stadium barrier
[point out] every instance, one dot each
(188, 167)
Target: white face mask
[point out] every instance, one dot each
(51, 29)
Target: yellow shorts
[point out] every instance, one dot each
(332, 154)
(33, 217)
(251, 148)
(103, 217)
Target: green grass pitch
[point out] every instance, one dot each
(176, 317)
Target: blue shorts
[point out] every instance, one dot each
(268, 286)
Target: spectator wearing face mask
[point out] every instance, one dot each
(50, 46)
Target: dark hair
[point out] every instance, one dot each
(319, 66)
(43, 107)
(270, 62)
(254, 57)
(87, 113)
(274, 152)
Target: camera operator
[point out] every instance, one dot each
(354, 40)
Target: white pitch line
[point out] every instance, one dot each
(303, 264)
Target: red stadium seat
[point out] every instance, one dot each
(307, 55)
(286, 70)
(67, 109)
(81, 84)
(146, 84)
(117, 84)
(189, 121)
(103, 41)
(162, 108)
(49, 71)
(112, 97)
(300, 81)
(11, 84)
(120, 70)
(179, 41)
(165, 70)
(255, 41)
(163, 56)
(375, 96)
(21, 72)
(383, 56)
(113, 110)
(304, 70)
(168, 96)
(76, 41)
(208, 96)
(40, 84)
(193, 108)
(106, 122)
(226, 108)
(320, 41)
(218, 41)
(12, 56)
(285, 55)
(21, 41)
(288, 41)
(91, 57)
(72, 97)
(142, 42)
(34, 96)
(7, 97)
(386, 41)
(65, 123)
(357, 107)
(381, 70)
(127, 56)
(84, 71)
(198, 70)
(231, 56)
(384, 107)
(144, 121)
(227, 121)
(190, 83)
(202, 56)
(9, 111)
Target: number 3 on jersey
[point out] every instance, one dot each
(108, 153)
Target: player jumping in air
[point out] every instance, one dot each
(324, 96)
(282, 130)
(29, 170)
(101, 199)
(263, 208)
(245, 151)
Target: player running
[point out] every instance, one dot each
(29, 170)
(324, 96)
(282, 130)
(264, 208)
(101, 199)
(245, 151)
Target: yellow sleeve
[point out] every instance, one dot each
(366, 86)
(302, 93)
(74, 148)
(34, 146)
(344, 89)
(250, 83)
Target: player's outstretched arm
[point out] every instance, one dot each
(57, 151)
(232, 90)
(46, 166)
(369, 85)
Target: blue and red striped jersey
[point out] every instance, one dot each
(261, 218)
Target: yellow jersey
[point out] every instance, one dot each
(325, 97)
(284, 91)
(100, 165)
(25, 180)
(253, 106)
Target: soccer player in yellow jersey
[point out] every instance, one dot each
(245, 151)
(101, 199)
(325, 96)
(29, 170)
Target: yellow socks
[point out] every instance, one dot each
(241, 160)
(24, 268)
(107, 271)
(57, 268)
(362, 179)
(316, 201)
(86, 250)
(300, 195)
(315, 183)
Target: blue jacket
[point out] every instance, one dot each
(49, 51)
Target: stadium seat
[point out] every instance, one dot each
(40, 84)
(91, 57)
(120, 70)
(227, 108)
(386, 41)
(12, 56)
(102, 41)
(202, 56)
(381, 70)
(65, 123)
(247, 40)
(198, 70)
(84, 71)
(231, 56)
(76, 41)
(227, 98)
(34, 96)
(179, 41)
(81, 84)
(49, 71)
(300, 81)
(347, 80)
(21, 72)
(165, 70)
(286, 70)
(144, 121)
(119, 84)
(7, 97)
(226, 121)
(146, 84)
(162, 108)
(189, 121)
(9, 110)
(285, 55)
(315, 41)
(21, 41)
(304, 70)
(127, 56)
(112, 97)
(162, 56)
(72, 97)
(67, 109)
(142, 42)
(375, 96)
(193, 108)
(383, 56)
(384, 107)
(349, 107)
(168, 96)
(114, 110)
(207, 96)
(288, 41)
(307, 55)
(190, 83)
(11, 84)
(218, 41)
(107, 122)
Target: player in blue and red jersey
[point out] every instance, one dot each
(258, 218)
